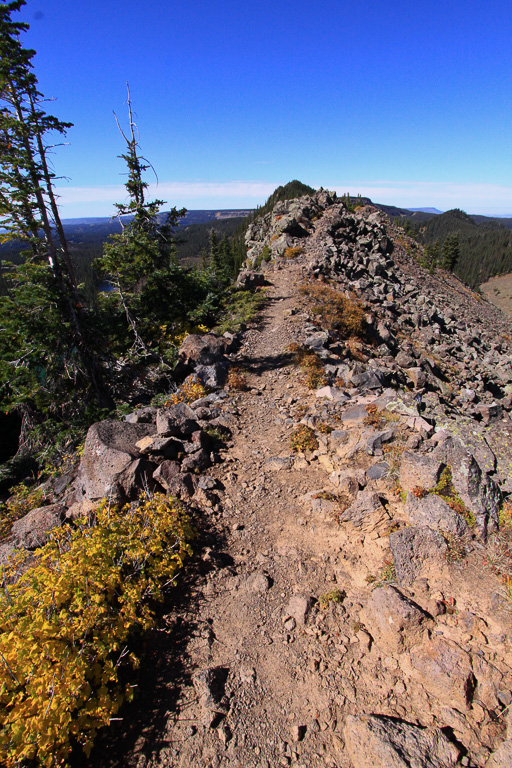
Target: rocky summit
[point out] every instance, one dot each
(349, 603)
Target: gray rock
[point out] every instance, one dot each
(145, 415)
(366, 513)
(176, 421)
(374, 442)
(377, 471)
(166, 472)
(435, 513)
(32, 530)
(394, 621)
(375, 741)
(418, 470)
(299, 607)
(412, 548)
(278, 463)
(356, 414)
(110, 447)
(213, 376)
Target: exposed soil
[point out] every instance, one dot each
(285, 685)
(498, 290)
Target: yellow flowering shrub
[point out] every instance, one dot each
(67, 620)
(191, 390)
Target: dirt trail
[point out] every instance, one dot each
(281, 677)
(250, 670)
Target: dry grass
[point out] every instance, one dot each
(310, 364)
(340, 315)
(237, 380)
(291, 253)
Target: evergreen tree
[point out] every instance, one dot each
(44, 288)
(450, 252)
(140, 260)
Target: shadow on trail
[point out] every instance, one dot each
(142, 730)
(258, 365)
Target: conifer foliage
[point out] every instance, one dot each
(44, 350)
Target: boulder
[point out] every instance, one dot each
(476, 488)
(393, 620)
(202, 350)
(152, 445)
(417, 376)
(110, 447)
(176, 421)
(435, 513)
(32, 530)
(413, 549)
(417, 470)
(376, 741)
(444, 669)
(145, 415)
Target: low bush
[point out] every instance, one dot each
(191, 390)
(67, 617)
(303, 438)
(311, 365)
(22, 499)
(291, 253)
(240, 308)
(340, 315)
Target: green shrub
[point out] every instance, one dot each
(67, 620)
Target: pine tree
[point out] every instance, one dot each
(43, 290)
(450, 251)
(141, 260)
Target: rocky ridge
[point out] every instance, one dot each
(349, 618)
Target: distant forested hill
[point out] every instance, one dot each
(485, 243)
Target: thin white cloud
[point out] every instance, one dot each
(474, 198)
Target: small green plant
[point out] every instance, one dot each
(387, 574)
(334, 596)
(325, 428)
(446, 490)
(303, 439)
(265, 253)
(240, 307)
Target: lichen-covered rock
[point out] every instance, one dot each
(434, 512)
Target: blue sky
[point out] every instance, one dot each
(407, 102)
